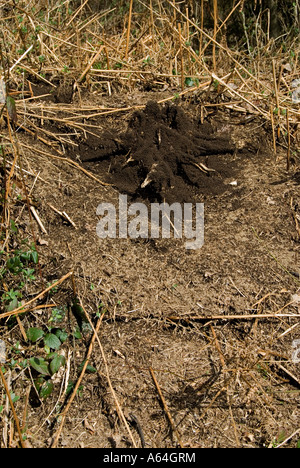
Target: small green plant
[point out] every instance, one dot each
(90, 369)
(57, 315)
(46, 367)
(191, 82)
(19, 261)
(10, 299)
(99, 66)
(101, 310)
(53, 290)
(263, 370)
(52, 339)
(79, 314)
(48, 341)
(147, 60)
(19, 264)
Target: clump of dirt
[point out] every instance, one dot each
(165, 154)
(61, 91)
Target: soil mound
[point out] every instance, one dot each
(164, 155)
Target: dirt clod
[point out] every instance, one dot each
(165, 154)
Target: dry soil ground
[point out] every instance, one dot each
(226, 383)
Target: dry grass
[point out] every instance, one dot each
(156, 45)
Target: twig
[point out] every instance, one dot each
(273, 129)
(89, 66)
(64, 414)
(38, 220)
(275, 86)
(225, 49)
(151, 21)
(201, 29)
(233, 91)
(20, 59)
(288, 154)
(215, 4)
(21, 309)
(232, 317)
(76, 13)
(216, 341)
(63, 214)
(181, 56)
(292, 376)
(128, 30)
(30, 309)
(118, 406)
(166, 408)
(12, 408)
(221, 25)
(11, 172)
(70, 162)
(25, 411)
(288, 438)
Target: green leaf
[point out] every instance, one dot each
(57, 362)
(46, 389)
(52, 341)
(189, 81)
(34, 334)
(13, 304)
(25, 256)
(13, 227)
(77, 334)
(70, 387)
(40, 365)
(62, 335)
(14, 397)
(14, 264)
(89, 368)
(34, 256)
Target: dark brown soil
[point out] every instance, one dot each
(166, 154)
